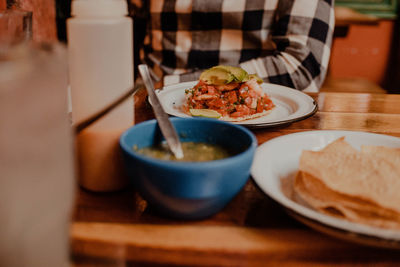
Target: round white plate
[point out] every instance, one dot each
(276, 163)
(290, 105)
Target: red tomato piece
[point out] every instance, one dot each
(243, 108)
(231, 96)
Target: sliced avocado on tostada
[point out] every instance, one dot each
(217, 76)
(239, 73)
(223, 74)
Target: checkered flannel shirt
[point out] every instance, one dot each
(285, 42)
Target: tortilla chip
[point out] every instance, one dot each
(339, 146)
(361, 186)
(356, 174)
(248, 117)
(390, 154)
(317, 195)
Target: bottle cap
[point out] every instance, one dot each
(99, 8)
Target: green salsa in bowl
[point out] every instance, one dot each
(189, 189)
(192, 151)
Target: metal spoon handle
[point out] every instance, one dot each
(167, 129)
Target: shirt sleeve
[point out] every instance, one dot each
(302, 36)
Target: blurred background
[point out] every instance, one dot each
(365, 54)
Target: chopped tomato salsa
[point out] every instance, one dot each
(231, 100)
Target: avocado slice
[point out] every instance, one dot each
(217, 76)
(254, 76)
(239, 73)
(223, 74)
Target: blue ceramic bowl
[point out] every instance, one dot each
(189, 190)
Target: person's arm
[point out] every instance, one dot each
(303, 37)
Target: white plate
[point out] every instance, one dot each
(276, 162)
(290, 105)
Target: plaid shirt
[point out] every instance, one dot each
(285, 42)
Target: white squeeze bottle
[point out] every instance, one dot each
(100, 46)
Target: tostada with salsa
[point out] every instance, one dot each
(228, 93)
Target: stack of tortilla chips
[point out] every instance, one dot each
(360, 186)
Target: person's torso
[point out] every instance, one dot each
(197, 34)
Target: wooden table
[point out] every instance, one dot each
(118, 229)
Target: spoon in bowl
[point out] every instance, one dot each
(167, 129)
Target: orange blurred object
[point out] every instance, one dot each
(364, 52)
